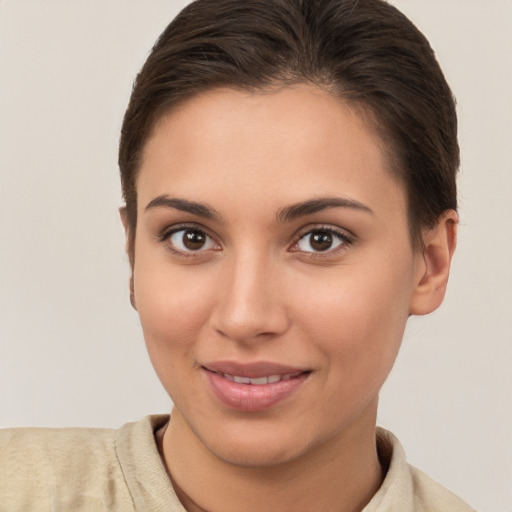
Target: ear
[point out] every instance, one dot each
(439, 245)
(124, 219)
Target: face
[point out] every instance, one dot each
(273, 269)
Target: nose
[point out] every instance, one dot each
(251, 304)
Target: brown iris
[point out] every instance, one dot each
(194, 240)
(321, 240)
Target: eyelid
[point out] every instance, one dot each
(343, 234)
(173, 228)
(164, 235)
(347, 237)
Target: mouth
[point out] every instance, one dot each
(254, 370)
(253, 387)
(259, 381)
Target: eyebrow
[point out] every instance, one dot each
(200, 209)
(298, 210)
(286, 214)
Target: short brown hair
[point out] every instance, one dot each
(365, 51)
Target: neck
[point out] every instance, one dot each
(342, 474)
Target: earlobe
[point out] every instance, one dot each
(439, 246)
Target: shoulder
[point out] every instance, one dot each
(58, 467)
(45, 442)
(407, 489)
(430, 495)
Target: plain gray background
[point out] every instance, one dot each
(71, 349)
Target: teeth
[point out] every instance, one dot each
(241, 380)
(260, 380)
(271, 379)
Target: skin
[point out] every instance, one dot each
(259, 290)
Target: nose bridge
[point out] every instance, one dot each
(250, 303)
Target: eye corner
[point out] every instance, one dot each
(188, 240)
(329, 241)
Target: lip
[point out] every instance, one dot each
(252, 370)
(253, 397)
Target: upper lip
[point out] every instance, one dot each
(252, 370)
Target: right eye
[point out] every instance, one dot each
(190, 240)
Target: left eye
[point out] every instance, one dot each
(189, 240)
(320, 240)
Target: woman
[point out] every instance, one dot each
(289, 175)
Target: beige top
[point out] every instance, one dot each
(79, 469)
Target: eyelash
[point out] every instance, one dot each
(167, 233)
(345, 240)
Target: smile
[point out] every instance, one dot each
(253, 388)
(271, 379)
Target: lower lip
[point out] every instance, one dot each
(253, 397)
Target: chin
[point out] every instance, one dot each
(256, 442)
(254, 455)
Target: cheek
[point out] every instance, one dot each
(173, 306)
(357, 323)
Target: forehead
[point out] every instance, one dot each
(299, 140)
